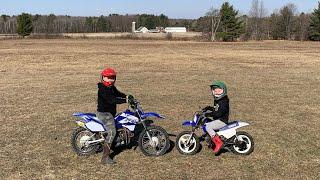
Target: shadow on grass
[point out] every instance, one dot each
(120, 149)
(172, 145)
(134, 146)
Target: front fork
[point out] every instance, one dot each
(191, 136)
(145, 127)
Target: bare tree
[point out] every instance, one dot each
(287, 15)
(215, 17)
(302, 25)
(256, 18)
(4, 27)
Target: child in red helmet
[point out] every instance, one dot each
(108, 98)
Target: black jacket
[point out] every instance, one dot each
(108, 98)
(220, 110)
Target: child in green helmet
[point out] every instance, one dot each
(219, 113)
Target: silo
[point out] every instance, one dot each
(133, 27)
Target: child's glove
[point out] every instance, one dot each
(130, 98)
(208, 114)
(208, 108)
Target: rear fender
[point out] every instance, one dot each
(90, 122)
(95, 126)
(86, 117)
(230, 130)
(242, 124)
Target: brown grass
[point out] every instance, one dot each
(272, 85)
(143, 36)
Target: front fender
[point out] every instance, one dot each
(152, 114)
(188, 123)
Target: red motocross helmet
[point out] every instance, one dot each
(111, 74)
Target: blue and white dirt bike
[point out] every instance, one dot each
(134, 128)
(188, 143)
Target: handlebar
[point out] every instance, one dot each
(133, 103)
(201, 112)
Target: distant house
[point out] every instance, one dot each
(154, 30)
(142, 30)
(175, 29)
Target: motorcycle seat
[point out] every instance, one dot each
(229, 125)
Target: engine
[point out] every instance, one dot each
(123, 137)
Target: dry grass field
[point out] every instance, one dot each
(272, 85)
(149, 36)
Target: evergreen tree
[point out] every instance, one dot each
(314, 28)
(151, 21)
(276, 26)
(148, 21)
(102, 25)
(230, 26)
(24, 24)
(163, 20)
(89, 24)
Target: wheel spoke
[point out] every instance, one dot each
(81, 145)
(157, 137)
(240, 147)
(187, 147)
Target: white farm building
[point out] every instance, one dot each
(175, 29)
(142, 30)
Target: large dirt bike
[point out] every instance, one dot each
(239, 142)
(134, 128)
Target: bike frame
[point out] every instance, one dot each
(90, 121)
(227, 131)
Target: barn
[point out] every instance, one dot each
(175, 29)
(142, 30)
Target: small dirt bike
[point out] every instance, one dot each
(188, 143)
(134, 127)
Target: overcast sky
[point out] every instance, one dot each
(190, 9)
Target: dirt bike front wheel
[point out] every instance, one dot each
(187, 143)
(154, 141)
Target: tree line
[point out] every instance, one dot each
(284, 24)
(223, 23)
(51, 24)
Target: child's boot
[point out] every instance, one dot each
(106, 155)
(218, 143)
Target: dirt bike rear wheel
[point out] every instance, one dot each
(244, 144)
(79, 137)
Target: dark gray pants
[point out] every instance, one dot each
(108, 120)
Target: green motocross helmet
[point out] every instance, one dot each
(220, 84)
